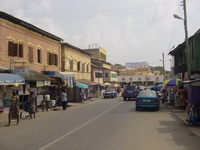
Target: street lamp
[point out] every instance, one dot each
(186, 38)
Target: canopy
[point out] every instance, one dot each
(82, 86)
(172, 82)
(11, 79)
(65, 75)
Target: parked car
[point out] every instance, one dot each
(130, 92)
(110, 93)
(147, 99)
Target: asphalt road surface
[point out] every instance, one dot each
(104, 124)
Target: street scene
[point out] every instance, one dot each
(99, 75)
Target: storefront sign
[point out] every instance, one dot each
(20, 70)
(39, 84)
(47, 83)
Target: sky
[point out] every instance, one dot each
(129, 30)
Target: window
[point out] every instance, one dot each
(71, 63)
(52, 59)
(30, 54)
(106, 75)
(87, 67)
(15, 49)
(78, 65)
(114, 75)
(39, 60)
(83, 67)
(98, 75)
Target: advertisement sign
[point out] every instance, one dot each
(20, 70)
(39, 84)
(135, 65)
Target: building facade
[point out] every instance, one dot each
(76, 60)
(23, 42)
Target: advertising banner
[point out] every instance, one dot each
(135, 65)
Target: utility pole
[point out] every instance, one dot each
(163, 61)
(186, 40)
(163, 70)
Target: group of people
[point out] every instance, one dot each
(15, 107)
(177, 92)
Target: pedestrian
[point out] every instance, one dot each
(31, 104)
(182, 97)
(64, 99)
(163, 94)
(81, 96)
(14, 108)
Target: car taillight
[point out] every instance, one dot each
(137, 92)
(156, 101)
(137, 101)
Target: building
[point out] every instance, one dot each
(102, 68)
(24, 42)
(76, 60)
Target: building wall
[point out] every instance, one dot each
(76, 56)
(18, 34)
(93, 77)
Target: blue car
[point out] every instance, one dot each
(147, 99)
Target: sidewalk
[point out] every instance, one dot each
(4, 115)
(181, 115)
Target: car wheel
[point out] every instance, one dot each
(104, 97)
(124, 98)
(157, 108)
(137, 108)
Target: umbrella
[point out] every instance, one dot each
(82, 86)
(161, 85)
(172, 82)
(149, 87)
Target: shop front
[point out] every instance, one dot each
(62, 80)
(8, 83)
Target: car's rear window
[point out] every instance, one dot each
(109, 90)
(147, 94)
(130, 88)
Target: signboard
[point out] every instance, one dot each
(46, 83)
(20, 70)
(39, 84)
(136, 65)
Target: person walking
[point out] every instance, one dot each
(182, 97)
(31, 104)
(64, 99)
(14, 108)
(163, 94)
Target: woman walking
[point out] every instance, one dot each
(31, 104)
(14, 108)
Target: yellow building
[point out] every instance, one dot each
(74, 59)
(97, 53)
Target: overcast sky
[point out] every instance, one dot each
(129, 30)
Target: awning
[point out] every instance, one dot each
(82, 86)
(65, 75)
(36, 76)
(88, 82)
(11, 79)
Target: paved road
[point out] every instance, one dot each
(106, 124)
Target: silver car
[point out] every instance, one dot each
(112, 93)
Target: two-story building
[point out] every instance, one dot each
(24, 42)
(180, 66)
